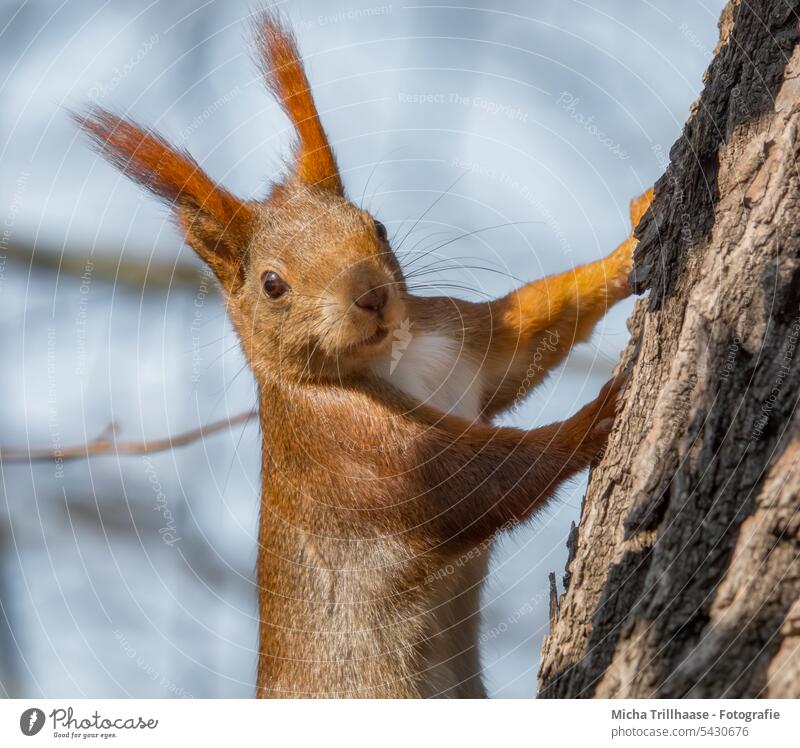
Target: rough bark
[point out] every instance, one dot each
(683, 577)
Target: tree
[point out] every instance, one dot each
(683, 576)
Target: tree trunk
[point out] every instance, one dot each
(683, 577)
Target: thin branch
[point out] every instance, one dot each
(133, 270)
(102, 446)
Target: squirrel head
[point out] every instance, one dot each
(310, 280)
(322, 290)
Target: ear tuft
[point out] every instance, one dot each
(283, 72)
(215, 222)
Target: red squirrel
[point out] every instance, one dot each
(383, 478)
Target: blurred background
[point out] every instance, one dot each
(133, 576)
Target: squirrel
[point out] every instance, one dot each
(384, 480)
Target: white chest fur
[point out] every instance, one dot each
(433, 368)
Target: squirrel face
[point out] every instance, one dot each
(322, 290)
(311, 283)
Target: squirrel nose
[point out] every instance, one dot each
(373, 300)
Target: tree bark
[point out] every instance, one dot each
(683, 577)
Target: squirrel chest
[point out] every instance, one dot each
(432, 367)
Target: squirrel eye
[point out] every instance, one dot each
(274, 285)
(380, 230)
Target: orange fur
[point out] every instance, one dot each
(368, 492)
(215, 222)
(534, 328)
(283, 71)
(639, 206)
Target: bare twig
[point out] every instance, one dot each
(130, 271)
(103, 446)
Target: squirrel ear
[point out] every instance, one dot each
(283, 72)
(216, 224)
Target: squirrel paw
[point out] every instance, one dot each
(598, 416)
